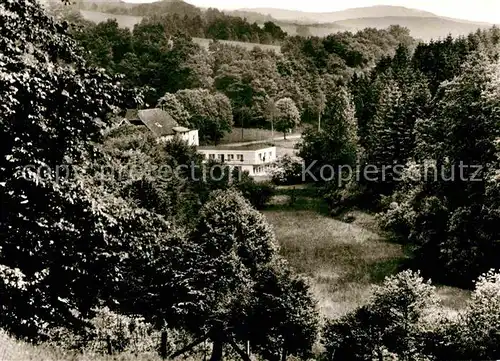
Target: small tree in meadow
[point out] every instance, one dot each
(390, 324)
(287, 115)
(482, 319)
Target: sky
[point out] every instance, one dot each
(475, 10)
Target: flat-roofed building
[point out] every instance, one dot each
(256, 159)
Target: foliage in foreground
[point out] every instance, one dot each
(55, 232)
(76, 242)
(400, 322)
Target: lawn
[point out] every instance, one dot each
(14, 350)
(237, 135)
(342, 260)
(286, 147)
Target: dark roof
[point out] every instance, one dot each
(158, 121)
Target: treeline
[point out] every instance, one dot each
(213, 24)
(179, 17)
(420, 132)
(360, 50)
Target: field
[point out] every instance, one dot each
(127, 21)
(13, 350)
(249, 46)
(342, 260)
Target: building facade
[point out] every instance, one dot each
(256, 159)
(162, 125)
(188, 135)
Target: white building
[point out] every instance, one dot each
(162, 125)
(256, 159)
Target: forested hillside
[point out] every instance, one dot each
(115, 243)
(154, 55)
(259, 25)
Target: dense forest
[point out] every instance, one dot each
(179, 17)
(407, 130)
(153, 56)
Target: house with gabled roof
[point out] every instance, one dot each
(162, 125)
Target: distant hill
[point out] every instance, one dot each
(422, 24)
(251, 16)
(425, 28)
(330, 17)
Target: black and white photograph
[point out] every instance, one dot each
(246, 180)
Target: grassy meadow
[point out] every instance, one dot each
(342, 260)
(13, 350)
(204, 43)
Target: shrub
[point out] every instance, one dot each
(345, 197)
(390, 325)
(109, 329)
(288, 171)
(257, 193)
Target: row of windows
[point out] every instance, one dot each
(262, 169)
(229, 157)
(262, 156)
(239, 157)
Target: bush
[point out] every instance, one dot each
(400, 323)
(346, 197)
(107, 328)
(288, 170)
(391, 325)
(257, 193)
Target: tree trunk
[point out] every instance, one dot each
(319, 122)
(217, 350)
(109, 346)
(284, 135)
(189, 347)
(283, 354)
(163, 345)
(244, 355)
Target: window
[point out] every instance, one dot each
(239, 157)
(211, 156)
(230, 156)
